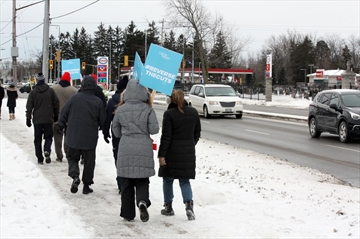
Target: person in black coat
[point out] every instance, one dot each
(12, 95)
(180, 133)
(82, 115)
(110, 112)
(42, 107)
(2, 95)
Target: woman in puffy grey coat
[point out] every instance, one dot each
(134, 122)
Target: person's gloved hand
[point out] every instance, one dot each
(28, 123)
(106, 138)
(59, 130)
(162, 161)
(56, 118)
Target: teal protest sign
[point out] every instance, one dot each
(72, 66)
(161, 69)
(138, 67)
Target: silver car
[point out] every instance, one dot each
(215, 99)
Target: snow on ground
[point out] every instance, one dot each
(237, 194)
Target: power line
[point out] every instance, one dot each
(75, 10)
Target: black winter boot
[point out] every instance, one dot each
(189, 210)
(74, 185)
(168, 210)
(144, 215)
(87, 189)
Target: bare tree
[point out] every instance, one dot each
(194, 16)
(353, 43)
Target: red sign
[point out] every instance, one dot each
(102, 68)
(338, 78)
(267, 67)
(319, 74)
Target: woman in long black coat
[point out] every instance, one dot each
(180, 133)
(12, 95)
(2, 95)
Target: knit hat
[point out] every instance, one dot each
(40, 77)
(94, 76)
(66, 76)
(122, 83)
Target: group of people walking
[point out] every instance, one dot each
(128, 119)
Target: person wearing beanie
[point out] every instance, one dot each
(82, 116)
(12, 95)
(63, 91)
(110, 111)
(2, 95)
(42, 107)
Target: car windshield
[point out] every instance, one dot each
(351, 100)
(219, 91)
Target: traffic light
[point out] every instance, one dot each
(83, 65)
(51, 64)
(126, 60)
(58, 55)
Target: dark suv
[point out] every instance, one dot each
(27, 88)
(336, 112)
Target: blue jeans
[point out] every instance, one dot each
(185, 187)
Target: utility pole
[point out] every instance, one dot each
(45, 64)
(14, 49)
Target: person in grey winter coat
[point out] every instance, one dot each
(180, 133)
(63, 91)
(12, 95)
(82, 115)
(134, 122)
(2, 95)
(43, 107)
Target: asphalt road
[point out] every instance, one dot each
(285, 140)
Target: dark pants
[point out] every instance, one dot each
(11, 110)
(115, 143)
(130, 187)
(40, 131)
(58, 143)
(89, 164)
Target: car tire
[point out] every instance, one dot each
(314, 133)
(21, 90)
(238, 116)
(206, 112)
(343, 132)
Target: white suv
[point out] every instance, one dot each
(211, 99)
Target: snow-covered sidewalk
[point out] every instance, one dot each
(237, 194)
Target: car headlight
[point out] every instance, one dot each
(238, 103)
(355, 116)
(213, 103)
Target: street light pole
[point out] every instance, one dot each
(304, 74)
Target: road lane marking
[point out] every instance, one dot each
(342, 148)
(257, 132)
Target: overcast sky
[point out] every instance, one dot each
(256, 19)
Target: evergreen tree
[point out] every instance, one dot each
(346, 56)
(118, 50)
(220, 56)
(101, 42)
(169, 41)
(134, 41)
(322, 54)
